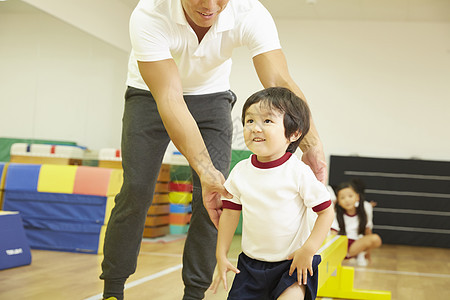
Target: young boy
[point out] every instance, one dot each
(273, 189)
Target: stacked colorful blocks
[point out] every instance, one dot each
(64, 207)
(157, 222)
(180, 197)
(180, 192)
(180, 216)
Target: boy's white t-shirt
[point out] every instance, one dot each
(274, 198)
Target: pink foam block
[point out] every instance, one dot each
(92, 181)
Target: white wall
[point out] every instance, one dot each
(378, 89)
(58, 82)
(105, 19)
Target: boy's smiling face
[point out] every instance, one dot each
(264, 132)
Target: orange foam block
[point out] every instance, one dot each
(92, 181)
(179, 218)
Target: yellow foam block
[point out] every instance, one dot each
(115, 182)
(3, 176)
(180, 197)
(109, 207)
(2, 183)
(57, 179)
(336, 281)
(101, 240)
(332, 252)
(341, 286)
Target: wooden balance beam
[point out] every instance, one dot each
(336, 281)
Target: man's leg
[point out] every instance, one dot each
(213, 116)
(144, 141)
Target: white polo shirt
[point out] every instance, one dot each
(352, 223)
(159, 30)
(274, 198)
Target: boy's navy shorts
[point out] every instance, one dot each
(261, 280)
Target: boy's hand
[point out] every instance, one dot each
(220, 274)
(301, 261)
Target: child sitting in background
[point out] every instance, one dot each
(273, 189)
(354, 219)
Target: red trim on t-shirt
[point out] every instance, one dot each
(231, 205)
(351, 215)
(270, 164)
(322, 206)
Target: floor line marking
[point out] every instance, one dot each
(161, 254)
(403, 273)
(142, 280)
(175, 255)
(153, 276)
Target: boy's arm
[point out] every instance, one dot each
(228, 223)
(320, 230)
(302, 258)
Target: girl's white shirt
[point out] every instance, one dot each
(352, 222)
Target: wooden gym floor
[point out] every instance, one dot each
(410, 273)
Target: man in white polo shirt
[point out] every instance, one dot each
(178, 89)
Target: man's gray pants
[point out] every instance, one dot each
(144, 142)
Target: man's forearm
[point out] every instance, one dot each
(272, 70)
(312, 138)
(163, 80)
(186, 136)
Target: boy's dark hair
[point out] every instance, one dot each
(358, 186)
(296, 111)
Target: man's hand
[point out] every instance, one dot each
(212, 188)
(315, 158)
